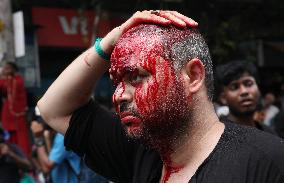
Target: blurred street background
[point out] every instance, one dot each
(42, 37)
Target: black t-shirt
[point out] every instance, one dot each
(242, 155)
(9, 171)
(265, 128)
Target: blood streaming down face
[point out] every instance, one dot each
(140, 67)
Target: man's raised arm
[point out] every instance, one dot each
(74, 86)
(76, 83)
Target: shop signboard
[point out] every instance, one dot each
(69, 27)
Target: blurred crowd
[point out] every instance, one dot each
(30, 151)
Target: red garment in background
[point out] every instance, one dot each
(14, 111)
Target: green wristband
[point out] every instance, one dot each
(99, 50)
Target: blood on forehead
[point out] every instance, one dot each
(144, 40)
(141, 46)
(133, 52)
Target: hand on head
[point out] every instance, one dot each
(159, 17)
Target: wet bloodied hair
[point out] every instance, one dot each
(178, 46)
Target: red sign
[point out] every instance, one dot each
(69, 28)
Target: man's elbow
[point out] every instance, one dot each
(58, 122)
(43, 111)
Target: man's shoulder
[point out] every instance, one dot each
(259, 144)
(258, 139)
(266, 142)
(248, 155)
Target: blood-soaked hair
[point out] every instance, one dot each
(179, 46)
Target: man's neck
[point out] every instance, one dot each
(189, 152)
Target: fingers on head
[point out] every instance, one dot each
(148, 17)
(163, 17)
(174, 19)
(187, 20)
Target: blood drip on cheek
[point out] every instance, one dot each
(147, 100)
(114, 96)
(150, 98)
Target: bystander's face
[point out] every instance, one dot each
(241, 95)
(8, 70)
(149, 96)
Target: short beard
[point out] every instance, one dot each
(167, 126)
(165, 134)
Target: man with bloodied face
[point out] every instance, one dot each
(150, 93)
(165, 128)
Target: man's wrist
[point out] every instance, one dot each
(100, 51)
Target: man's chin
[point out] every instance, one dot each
(249, 110)
(133, 132)
(244, 112)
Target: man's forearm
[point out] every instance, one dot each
(72, 88)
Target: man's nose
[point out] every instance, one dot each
(244, 90)
(123, 94)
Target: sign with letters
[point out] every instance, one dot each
(68, 27)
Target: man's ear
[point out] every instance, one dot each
(223, 99)
(195, 74)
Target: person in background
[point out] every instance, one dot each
(64, 166)
(270, 109)
(278, 121)
(259, 114)
(13, 161)
(42, 174)
(14, 107)
(240, 92)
